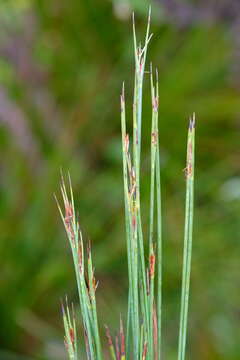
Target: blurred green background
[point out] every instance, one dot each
(62, 64)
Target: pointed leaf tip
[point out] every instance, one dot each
(192, 122)
(62, 308)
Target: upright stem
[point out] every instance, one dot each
(159, 232)
(187, 252)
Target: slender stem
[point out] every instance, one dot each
(187, 252)
(159, 231)
(151, 227)
(125, 145)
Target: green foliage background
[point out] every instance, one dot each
(62, 64)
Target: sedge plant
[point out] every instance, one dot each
(141, 337)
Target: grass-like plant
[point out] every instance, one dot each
(141, 338)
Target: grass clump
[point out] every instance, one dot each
(141, 338)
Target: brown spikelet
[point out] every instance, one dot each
(122, 340)
(188, 169)
(144, 354)
(151, 265)
(155, 104)
(89, 248)
(68, 213)
(69, 219)
(94, 282)
(109, 337)
(126, 143)
(134, 221)
(80, 258)
(154, 138)
(72, 336)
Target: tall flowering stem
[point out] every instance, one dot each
(143, 340)
(142, 269)
(86, 282)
